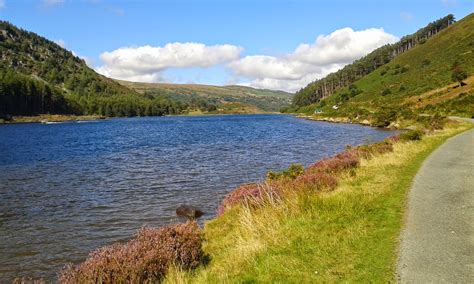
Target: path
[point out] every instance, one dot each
(437, 243)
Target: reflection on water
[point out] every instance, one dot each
(68, 188)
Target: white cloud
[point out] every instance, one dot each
(290, 72)
(146, 62)
(60, 42)
(310, 61)
(406, 17)
(2, 4)
(50, 3)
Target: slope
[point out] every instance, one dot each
(207, 98)
(418, 81)
(38, 76)
(328, 85)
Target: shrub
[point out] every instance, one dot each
(425, 62)
(143, 259)
(317, 181)
(343, 161)
(386, 92)
(411, 135)
(402, 88)
(251, 193)
(293, 171)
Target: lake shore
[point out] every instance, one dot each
(46, 118)
(348, 234)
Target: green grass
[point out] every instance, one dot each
(348, 235)
(423, 68)
(265, 100)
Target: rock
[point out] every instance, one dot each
(365, 122)
(188, 211)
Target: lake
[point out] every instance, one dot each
(68, 188)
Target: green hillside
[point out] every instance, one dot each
(209, 98)
(415, 82)
(38, 76)
(328, 85)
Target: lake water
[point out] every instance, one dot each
(66, 189)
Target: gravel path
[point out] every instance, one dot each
(437, 243)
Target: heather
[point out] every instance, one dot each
(338, 221)
(146, 258)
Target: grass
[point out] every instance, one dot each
(221, 96)
(349, 234)
(417, 81)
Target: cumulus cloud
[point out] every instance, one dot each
(290, 72)
(146, 63)
(310, 61)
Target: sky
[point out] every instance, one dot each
(279, 44)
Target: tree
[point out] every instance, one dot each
(458, 75)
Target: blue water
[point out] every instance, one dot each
(68, 188)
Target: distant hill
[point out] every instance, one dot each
(209, 98)
(418, 81)
(328, 85)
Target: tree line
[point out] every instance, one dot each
(326, 86)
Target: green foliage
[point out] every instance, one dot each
(411, 135)
(292, 172)
(37, 76)
(458, 74)
(324, 87)
(428, 68)
(386, 92)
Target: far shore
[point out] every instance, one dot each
(47, 118)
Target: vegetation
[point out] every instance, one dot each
(327, 86)
(320, 234)
(416, 82)
(144, 259)
(215, 99)
(37, 76)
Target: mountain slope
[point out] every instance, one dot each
(38, 76)
(417, 81)
(201, 96)
(328, 85)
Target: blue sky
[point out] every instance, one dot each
(262, 43)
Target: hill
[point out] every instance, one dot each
(214, 98)
(38, 76)
(418, 81)
(328, 85)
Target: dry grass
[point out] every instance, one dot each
(349, 234)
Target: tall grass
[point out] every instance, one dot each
(348, 234)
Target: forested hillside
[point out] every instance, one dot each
(38, 76)
(350, 73)
(433, 78)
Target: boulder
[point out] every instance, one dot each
(189, 211)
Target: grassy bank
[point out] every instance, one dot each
(349, 234)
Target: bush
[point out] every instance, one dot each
(411, 135)
(291, 173)
(317, 182)
(343, 161)
(386, 92)
(143, 259)
(251, 193)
